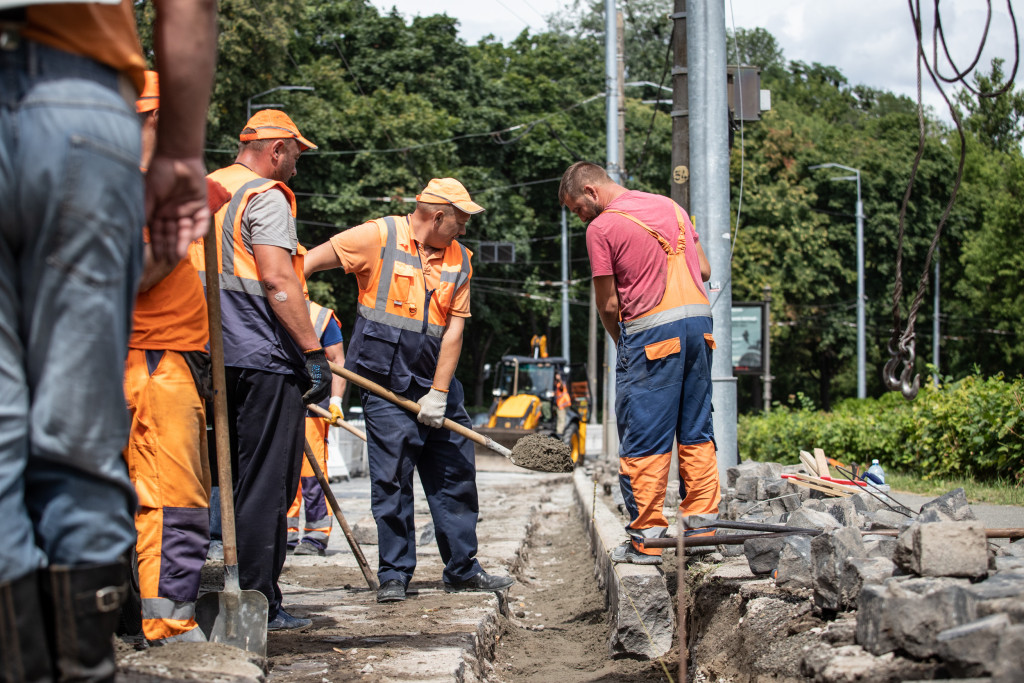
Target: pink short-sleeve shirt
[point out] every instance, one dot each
(619, 247)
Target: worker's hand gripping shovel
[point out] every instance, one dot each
(232, 616)
(525, 460)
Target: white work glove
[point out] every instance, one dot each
(432, 407)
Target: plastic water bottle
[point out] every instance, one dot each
(875, 473)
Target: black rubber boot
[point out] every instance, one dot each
(24, 657)
(82, 607)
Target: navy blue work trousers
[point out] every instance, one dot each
(397, 443)
(265, 414)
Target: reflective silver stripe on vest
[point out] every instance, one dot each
(671, 315)
(399, 321)
(389, 255)
(233, 283)
(162, 608)
(321, 321)
(227, 238)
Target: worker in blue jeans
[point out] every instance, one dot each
(70, 257)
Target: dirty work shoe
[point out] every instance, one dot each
(304, 548)
(483, 582)
(628, 554)
(392, 590)
(286, 622)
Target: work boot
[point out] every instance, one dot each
(82, 607)
(626, 553)
(304, 548)
(286, 622)
(392, 590)
(23, 651)
(482, 582)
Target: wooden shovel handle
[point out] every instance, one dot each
(314, 408)
(414, 408)
(364, 566)
(220, 400)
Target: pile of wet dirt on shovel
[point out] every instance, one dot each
(542, 453)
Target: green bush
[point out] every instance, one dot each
(973, 427)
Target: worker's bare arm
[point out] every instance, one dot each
(185, 42)
(451, 349)
(607, 304)
(284, 293)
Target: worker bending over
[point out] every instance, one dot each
(648, 270)
(413, 278)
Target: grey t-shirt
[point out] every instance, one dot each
(268, 220)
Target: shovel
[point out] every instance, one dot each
(364, 566)
(232, 616)
(521, 455)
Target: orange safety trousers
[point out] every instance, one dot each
(663, 401)
(170, 471)
(317, 529)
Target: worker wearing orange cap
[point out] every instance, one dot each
(413, 278)
(166, 375)
(274, 363)
(70, 255)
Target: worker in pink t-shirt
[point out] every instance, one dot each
(649, 269)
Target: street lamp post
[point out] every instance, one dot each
(248, 102)
(861, 352)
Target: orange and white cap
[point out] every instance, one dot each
(271, 124)
(150, 97)
(448, 191)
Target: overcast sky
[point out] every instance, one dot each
(870, 41)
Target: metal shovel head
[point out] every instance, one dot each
(235, 617)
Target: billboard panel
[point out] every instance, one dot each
(747, 341)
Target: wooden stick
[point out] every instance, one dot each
(819, 458)
(314, 408)
(336, 508)
(831, 492)
(842, 488)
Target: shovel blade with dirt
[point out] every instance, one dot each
(533, 452)
(233, 616)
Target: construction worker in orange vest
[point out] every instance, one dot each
(274, 364)
(413, 278)
(317, 529)
(649, 270)
(562, 403)
(166, 379)
(70, 257)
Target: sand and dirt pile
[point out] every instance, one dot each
(543, 454)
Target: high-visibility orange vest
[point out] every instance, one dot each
(562, 399)
(319, 316)
(397, 334)
(682, 298)
(253, 336)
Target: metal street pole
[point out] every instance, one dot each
(248, 102)
(766, 362)
(861, 343)
(565, 288)
(709, 200)
(611, 436)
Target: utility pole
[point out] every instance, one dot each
(766, 362)
(709, 199)
(613, 155)
(680, 111)
(565, 288)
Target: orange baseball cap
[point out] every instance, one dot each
(150, 97)
(448, 191)
(271, 124)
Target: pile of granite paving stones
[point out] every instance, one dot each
(927, 584)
